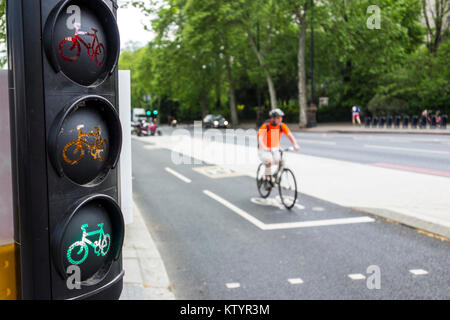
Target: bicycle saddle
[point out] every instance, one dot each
(95, 30)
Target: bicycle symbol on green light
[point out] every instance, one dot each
(101, 246)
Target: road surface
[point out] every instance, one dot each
(219, 240)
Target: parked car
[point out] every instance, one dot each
(215, 121)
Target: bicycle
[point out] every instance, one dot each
(283, 177)
(101, 246)
(75, 41)
(94, 148)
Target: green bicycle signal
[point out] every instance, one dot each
(101, 246)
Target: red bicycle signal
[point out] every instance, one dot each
(74, 47)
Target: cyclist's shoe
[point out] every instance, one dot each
(268, 185)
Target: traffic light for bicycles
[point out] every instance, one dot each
(66, 143)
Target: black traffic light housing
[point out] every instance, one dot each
(66, 141)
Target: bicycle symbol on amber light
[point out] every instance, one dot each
(95, 148)
(72, 46)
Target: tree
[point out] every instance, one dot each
(3, 57)
(256, 15)
(435, 30)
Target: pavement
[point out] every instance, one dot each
(145, 274)
(339, 127)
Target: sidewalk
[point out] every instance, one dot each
(145, 275)
(340, 127)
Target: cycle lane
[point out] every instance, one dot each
(224, 248)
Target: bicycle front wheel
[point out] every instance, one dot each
(105, 244)
(264, 187)
(99, 54)
(288, 188)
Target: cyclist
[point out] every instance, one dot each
(269, 136)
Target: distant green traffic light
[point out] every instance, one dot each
(148, 112)
(155, 112)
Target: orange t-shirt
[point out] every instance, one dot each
(272, 135)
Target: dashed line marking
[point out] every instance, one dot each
(357, 276)
(418, 272)
(179, 176)
(318, 209)
(295, 281)
(233, 285)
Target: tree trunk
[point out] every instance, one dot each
(302, 100)
(234, 115)
(270, 84)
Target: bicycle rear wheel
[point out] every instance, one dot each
(288, 188)
(264, 187)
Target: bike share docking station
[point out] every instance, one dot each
(67, 140)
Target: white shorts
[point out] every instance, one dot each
(269, 156)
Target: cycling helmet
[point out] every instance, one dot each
(276, 113)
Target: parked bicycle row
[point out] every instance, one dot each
(405, 122)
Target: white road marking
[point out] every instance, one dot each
(216, 172)
(179, 176)
(295, 281)
(357, 276)
(233, 285)
(152, 147)
(418, 272)
(318, 209)
(306, 141)
(275, 202)
(317, 223)
(406, 149)
(232, 207)
(288, 225)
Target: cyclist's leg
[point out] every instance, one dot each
(266, 158)
(276, 156)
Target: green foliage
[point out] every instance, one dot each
(387, 106)
(2, 33)
(334, 113)
(184, 68)
(423, 80)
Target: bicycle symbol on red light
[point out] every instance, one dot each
(95, 49)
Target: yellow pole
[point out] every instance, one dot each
(8, 280)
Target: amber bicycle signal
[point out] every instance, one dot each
(95, 148)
